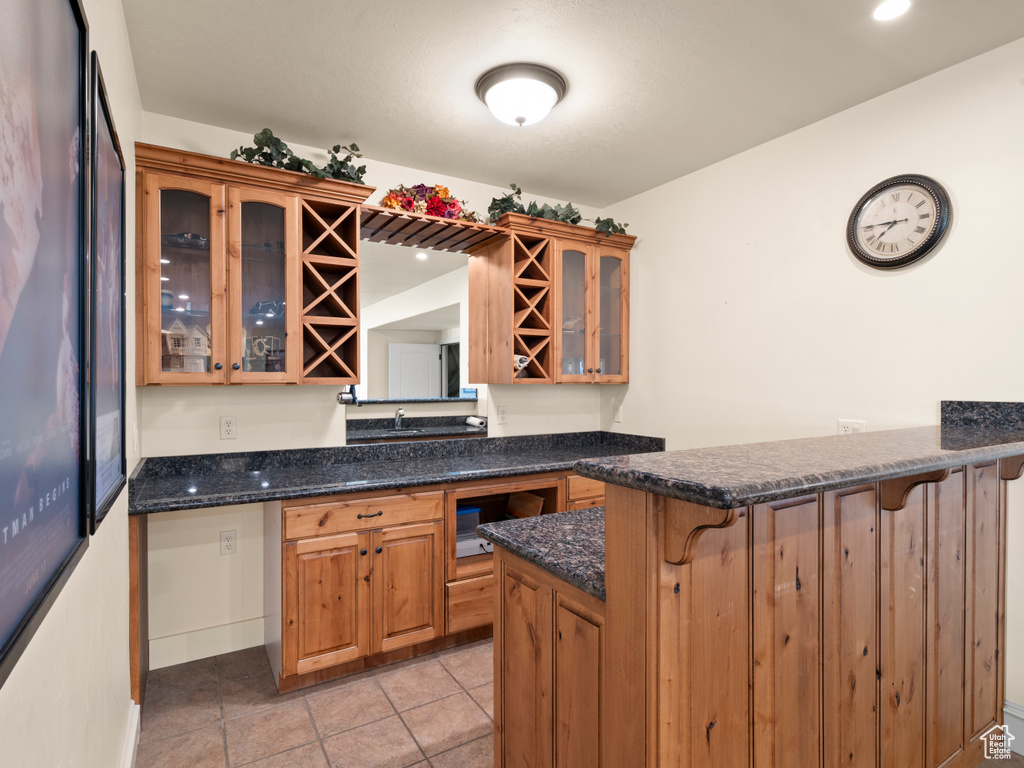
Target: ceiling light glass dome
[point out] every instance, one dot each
(521, 94)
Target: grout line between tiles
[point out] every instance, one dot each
(402, 721)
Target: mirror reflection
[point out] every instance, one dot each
(413, 307)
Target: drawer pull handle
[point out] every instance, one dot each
(360, 516)
(362, 552)
(379, 550)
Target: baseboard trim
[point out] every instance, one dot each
(1013, 716)
(202, 643)
(130, 745)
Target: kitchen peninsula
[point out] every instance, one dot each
(360, 563)
(824, 601)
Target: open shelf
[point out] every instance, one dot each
(417, 230)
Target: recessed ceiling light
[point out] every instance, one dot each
(421, 256)
(165, 261)
(520, 94)
(165, 279)
(891, 9)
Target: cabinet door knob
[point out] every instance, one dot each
(218, 366)
(590, 370)
(236, 366)
(379, 550)
(362, 552)
(378, 513)
(598, 370)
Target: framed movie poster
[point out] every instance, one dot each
(106, 315)
(43, 498)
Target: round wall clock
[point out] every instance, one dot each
(898, 221)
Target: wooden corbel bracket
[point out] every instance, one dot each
(684, 523)
(896, 491)
(1011, 467)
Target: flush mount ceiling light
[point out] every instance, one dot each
(520, 94)
(890, 10)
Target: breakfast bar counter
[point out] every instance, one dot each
(824, 601)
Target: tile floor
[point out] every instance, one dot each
(435, 711)
(222, 712)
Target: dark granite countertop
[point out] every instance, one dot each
(190, 482)
(416, 427)
(737, 475)
(568, 545)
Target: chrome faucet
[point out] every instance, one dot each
(398, 418)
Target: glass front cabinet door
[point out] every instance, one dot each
(218, 264)
(262, 285)
(593, 311)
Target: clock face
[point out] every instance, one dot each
(898, 221)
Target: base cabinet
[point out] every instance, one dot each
(548, 675)
(351, 595)
(860, 627)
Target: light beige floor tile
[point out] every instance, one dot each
(180, 678)
(414, 684)
(308, 756)
(268, 731)
(472, 665)
(476, 754)
(203, 748)
(384, 744)
(348, 706)
(484, 696)
(447, 723)
(250, 662)
(174, 715)
(250, 694)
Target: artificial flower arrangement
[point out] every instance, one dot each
(433, 201)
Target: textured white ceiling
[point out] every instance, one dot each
(656, 89)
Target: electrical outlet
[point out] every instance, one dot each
(228, 426)
(228, 542)
(849, 426)
(503, 414)
(618, 415)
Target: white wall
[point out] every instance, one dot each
(752, 321)
(67, 700)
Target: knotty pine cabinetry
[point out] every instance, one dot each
(554, 293)
(361, 579)
(857, 627)
(549, 638)
(246, 274)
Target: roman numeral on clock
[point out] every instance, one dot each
(919, 230)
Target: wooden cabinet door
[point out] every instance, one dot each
(264, 327)
(181, 318)
(408, 585)
(579, 684)
(574, 312)
(327, 602)
(609, 334)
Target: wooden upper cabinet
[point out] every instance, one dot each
(246, 274)
(550, 304)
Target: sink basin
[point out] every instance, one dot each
(404, 431)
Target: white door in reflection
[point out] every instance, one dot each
(414, 370)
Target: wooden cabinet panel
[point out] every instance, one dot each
(787, 633)
(303, 520)
(470, 603)
(523, 685)
(983, 583)
(408, 585)
(945, 624)
(904, 547)
(850, 627)
(327, 602)
(579, 637)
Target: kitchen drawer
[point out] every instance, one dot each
(470, 603)
(363, 514)
(584, 488)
